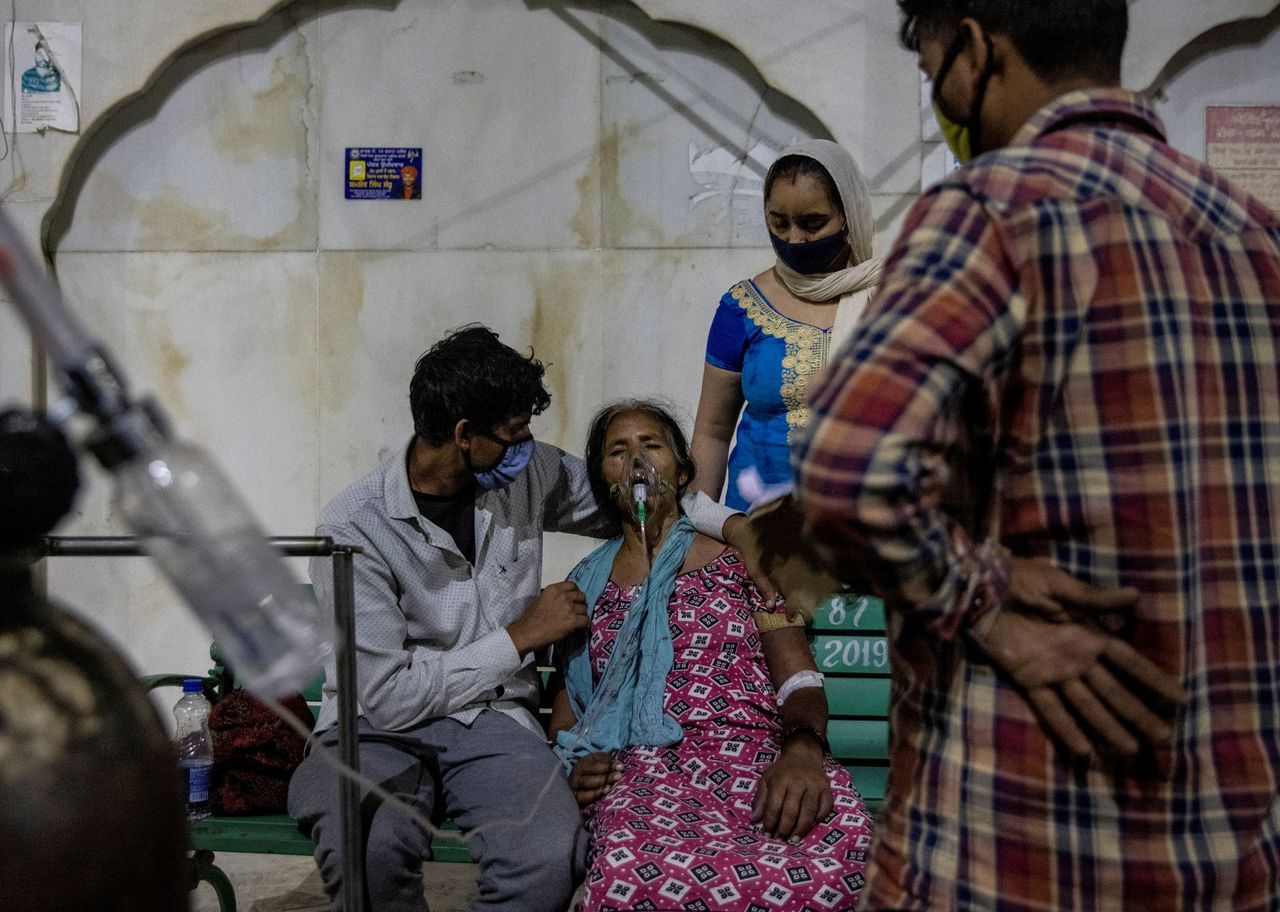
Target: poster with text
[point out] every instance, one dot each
(44, 73)
(1243, 144)
(383, 173)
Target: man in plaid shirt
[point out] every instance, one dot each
(1078, 330)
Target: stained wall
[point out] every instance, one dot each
(591, 180)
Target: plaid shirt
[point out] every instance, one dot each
(1091, 319)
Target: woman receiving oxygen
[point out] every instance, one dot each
(693, 721)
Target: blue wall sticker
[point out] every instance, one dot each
(383, 173)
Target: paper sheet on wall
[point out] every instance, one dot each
(1243, 145)
(44, 77)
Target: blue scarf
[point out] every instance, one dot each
(627, 706)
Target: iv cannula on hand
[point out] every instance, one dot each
(187, 514)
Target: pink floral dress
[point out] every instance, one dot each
(675, 833)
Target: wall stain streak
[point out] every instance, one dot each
(562, 311)
(340, 337)
(585, 222)
(154, 335)
(171, 222)
(617, 214)
(246, 126)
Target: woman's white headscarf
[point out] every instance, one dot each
(854, 284)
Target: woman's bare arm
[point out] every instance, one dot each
(787, 652)
(794, 793)
(719, 405)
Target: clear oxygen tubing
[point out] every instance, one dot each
(189, 516)
(639, 492)
(329, 754)
(134, 432)
(644, 484)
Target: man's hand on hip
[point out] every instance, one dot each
(1073, 673)
(1038, 587)
(559, 609)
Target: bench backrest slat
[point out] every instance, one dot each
(850, 649)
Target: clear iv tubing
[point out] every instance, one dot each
(186, 512)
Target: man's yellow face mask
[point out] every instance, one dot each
(962, 138)
(959, 138)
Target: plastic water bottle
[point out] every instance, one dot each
(195, 748)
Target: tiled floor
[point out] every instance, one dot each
(285, 883)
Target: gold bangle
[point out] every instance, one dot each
(766, 621)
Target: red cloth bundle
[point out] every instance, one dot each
(254, 753)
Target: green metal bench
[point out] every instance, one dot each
(848, 645)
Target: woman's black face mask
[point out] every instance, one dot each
(810, 257)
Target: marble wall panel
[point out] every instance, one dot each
(1236, 74)
(125, 43)
(380, 310)
(502, 96)
(839, 58)
(228, 162)
(659, 308)
(890, 211)
(688, 132)
(1159, 29)
(227, 344)
(827, 52)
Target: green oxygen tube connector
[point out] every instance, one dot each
(644, 483)
(639, 494)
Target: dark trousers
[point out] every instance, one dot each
(498, 780)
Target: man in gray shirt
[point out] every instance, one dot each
(449, 612)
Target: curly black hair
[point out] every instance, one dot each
(1057, 38)
(470, 375)
(596, 442)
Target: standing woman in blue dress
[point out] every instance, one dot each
(773, 333)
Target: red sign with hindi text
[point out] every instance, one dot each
(1243, 144)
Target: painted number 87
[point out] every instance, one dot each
(839, 610)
